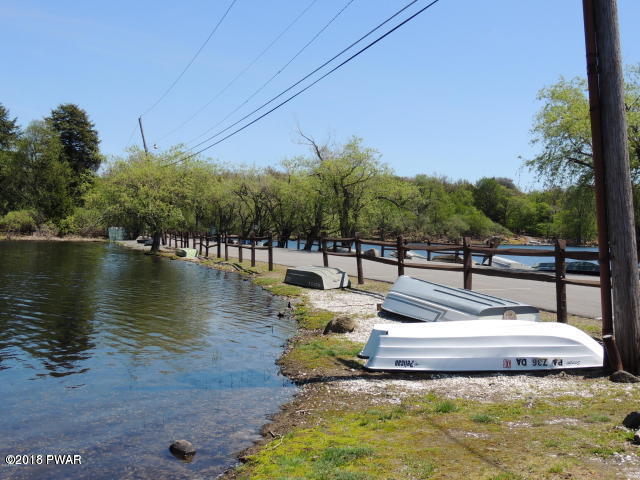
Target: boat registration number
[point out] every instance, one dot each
(533, 362)
(406, 363)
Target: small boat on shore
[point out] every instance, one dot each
(323, 278)
(431, 302)
(480, 345)
(507, 263)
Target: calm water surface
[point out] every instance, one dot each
(110, 354)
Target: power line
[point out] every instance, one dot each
(311, 84)
(308, 75)
(280, 70)
(242, 72)
(192, 59)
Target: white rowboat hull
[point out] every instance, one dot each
(480, 345)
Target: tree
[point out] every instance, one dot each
(33, 176)
(78, 137)
(9, 130)
(492, 198)
(563, 131)
(345, 174)
(143, 191)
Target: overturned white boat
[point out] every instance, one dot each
(507, 263)
(480, 345)
(432, 302)
(324, 278)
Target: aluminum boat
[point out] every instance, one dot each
(480, 345)
(431, 302)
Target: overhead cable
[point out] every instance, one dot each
(308, 86)
(240, 74)
(280, 70)
(291, 87)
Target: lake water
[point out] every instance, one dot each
(112, 355)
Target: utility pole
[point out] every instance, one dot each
(616, 227)
(144, 142)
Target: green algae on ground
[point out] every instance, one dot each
(321, 352)
(417, 440)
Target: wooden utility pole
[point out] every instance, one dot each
(613, 181)
(144, 141)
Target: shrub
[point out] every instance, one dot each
(84, 222)
(19, 221)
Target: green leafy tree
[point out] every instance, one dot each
(34, 177)
(562, 130)
(346, 174)
(143, 191)
(78, 137)
(9, 129)
(492, 198)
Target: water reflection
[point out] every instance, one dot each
(110, 354)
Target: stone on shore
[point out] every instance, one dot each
(342, 324)
(623, 377)
(632, 421)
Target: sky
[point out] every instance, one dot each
(452, 92)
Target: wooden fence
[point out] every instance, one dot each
(468, 250)
(204, 242)
(352, 247)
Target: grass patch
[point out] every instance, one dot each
(312, 319)
(446, 406)
(285, 290)
(433, 437)
(317, 352)
(483, 418)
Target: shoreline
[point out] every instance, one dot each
(51, 238)
(334, 389)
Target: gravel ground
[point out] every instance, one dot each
(484, 387)
(490, 387)
(362, 306)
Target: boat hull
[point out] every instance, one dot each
(480, 345)
(431, 302)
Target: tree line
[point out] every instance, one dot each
(53, 177)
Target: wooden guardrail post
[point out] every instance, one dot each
(561, 287)
(492, 244)
(400, 253)
(323, 247)
(270, 251)
(218, 246)
(226, 247)
(428, 251)
(194, 241)
(382, 250)
(239, 248)
(253, 248)
(467, 263)
(298, 245)
(358, 245)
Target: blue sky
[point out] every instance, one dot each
(453, 92)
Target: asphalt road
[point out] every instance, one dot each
(584, 301)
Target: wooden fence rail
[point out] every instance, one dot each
(353, 247)
(468, 269)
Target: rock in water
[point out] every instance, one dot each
(632, 421)
(371, 253)
(182, 449)
(623, 377)
(341, 324)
